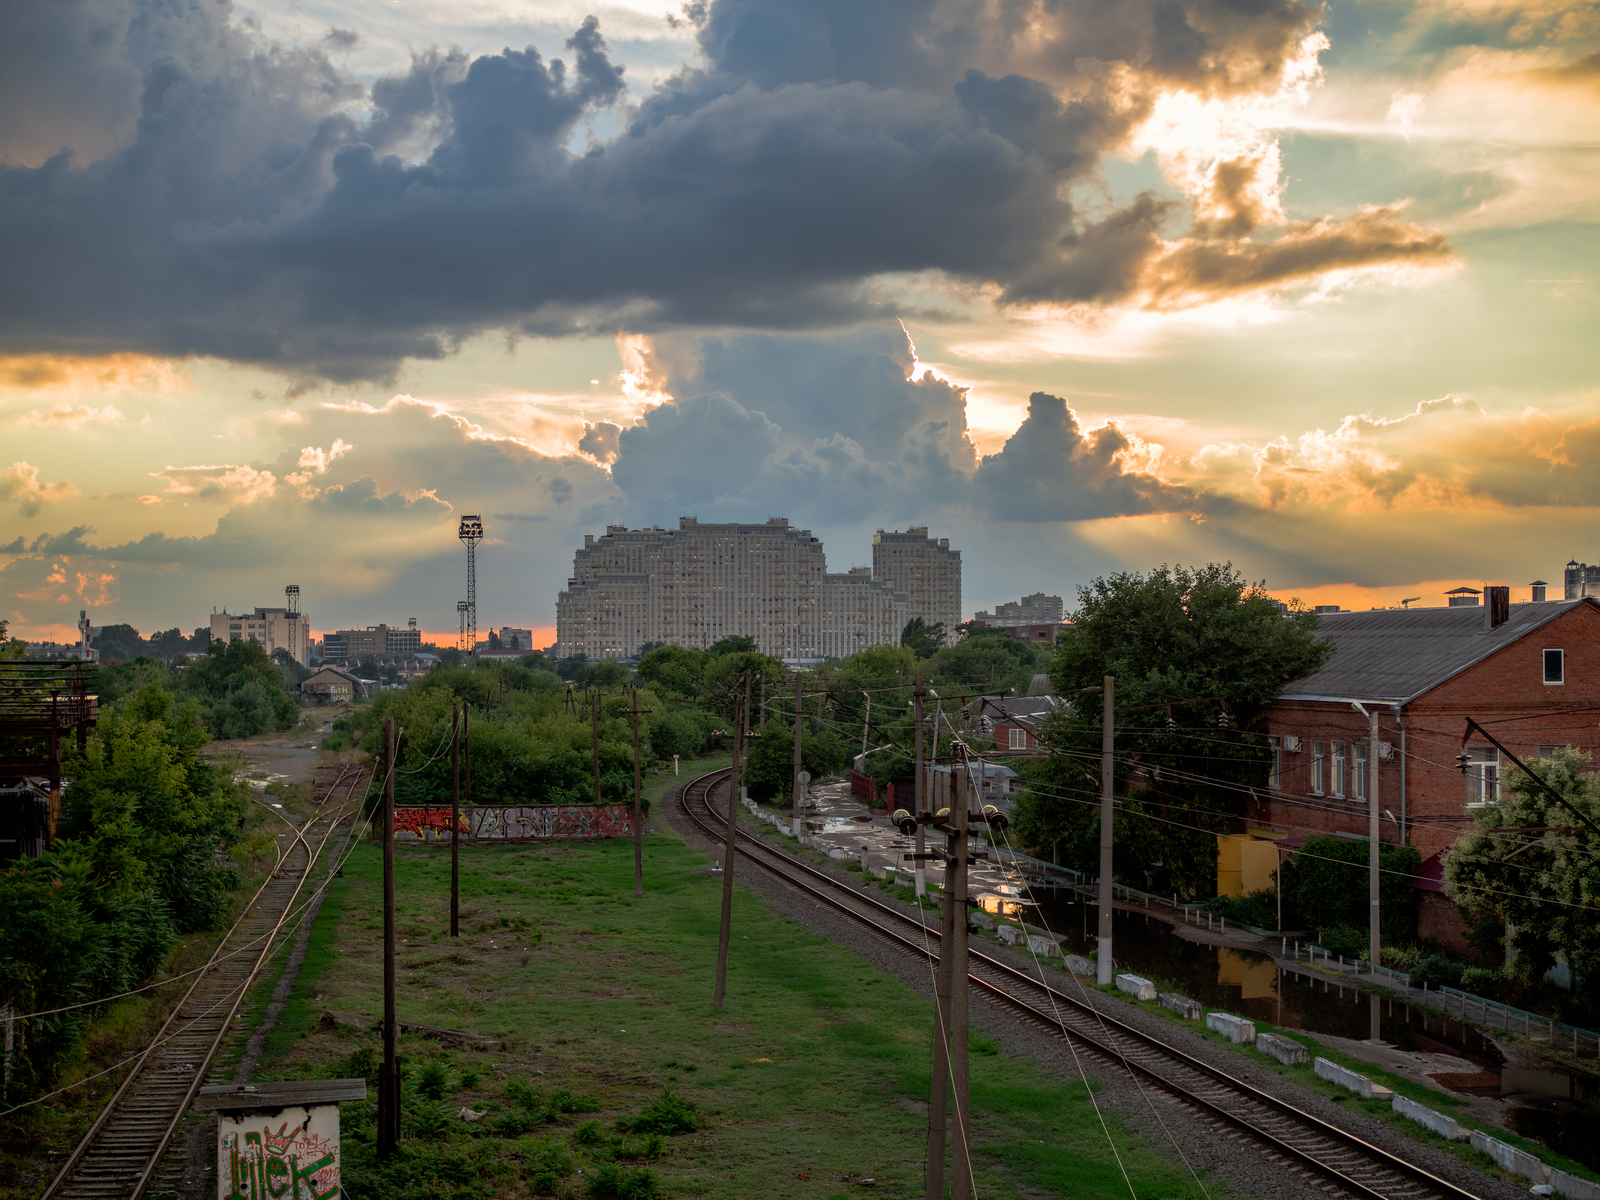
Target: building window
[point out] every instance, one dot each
(1483, 776)
(1336, 761)
(1319, 754)
(1017, 739)
(1555, 666)
(1275, 779)
(1358, 769)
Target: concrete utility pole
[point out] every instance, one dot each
(939, 1094)
(466, 752)
(638, 802)
(720, 1000)
(799, 770)
(455, 821)
(594, 737)
(388, 1075)
(1374, 931)
(920, 789)
(1108, 748)
(960, 1075)
(866, 722)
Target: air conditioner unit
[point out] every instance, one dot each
(1385, 751)
(1291, 743)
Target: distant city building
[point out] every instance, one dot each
(1037, 609)
(76, 650)
(374, 642)
(274, 628)
(516, 639)
(697, 584)
(1580, 580)
(926, 570)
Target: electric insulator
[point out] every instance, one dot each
(995, 818)
(904, 821)
(1222, 720)
(1462, 761)
(1172, 725)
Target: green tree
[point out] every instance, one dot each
(1533, 865)
(923, 639)
(677, 669)
(734, 643)
(240, 690)
(771, 772)
(1214, 647)
(1325, 887)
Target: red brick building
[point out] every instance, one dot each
(1533, 679)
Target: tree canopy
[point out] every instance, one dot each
(1212, 646)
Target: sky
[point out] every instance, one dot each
(1083, 286)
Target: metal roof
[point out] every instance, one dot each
(1395, 655)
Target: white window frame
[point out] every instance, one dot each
(1483, 776)
(1016, 738)
(1561, 663)
(1319, 756)
(1275, 779)
(1358, 771)
(1337, 761)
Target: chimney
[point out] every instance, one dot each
(1538, 586)
(1496, 606)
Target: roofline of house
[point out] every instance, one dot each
(1402, 701)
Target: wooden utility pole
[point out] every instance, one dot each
(388, 1074)
(455, 821)
(919, 793)
(594, 731)
(726, 927)
(799, 785)
(466, 751)
(638, 805)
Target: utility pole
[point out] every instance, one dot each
(594, 737)
(866, 722)
(1373, 913)
(939, 1095)
(960, 1075)
(1108, 746)
(388, 1075)
(455, 821)
(720, 1000)
(799, 770)
(638, 793)
(920, 789)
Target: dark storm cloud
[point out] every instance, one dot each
(258, 204)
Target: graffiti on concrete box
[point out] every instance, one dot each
(291, 1155)
(533, 822)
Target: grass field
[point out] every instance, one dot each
(812, 1083)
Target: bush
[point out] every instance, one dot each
(433, 1082)
(1346, 940)
(611, 1182)
(1253, 908)
(1481, 981)
(1326, 885)
(588, 1134)
(1437, 971)
(669, 1115)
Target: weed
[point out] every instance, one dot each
(670, 1114)
(467, 1079)
(517, 1122)
(588, 1134)
(563, 1101)
(525, 1095)
(650, 1147)
(611, 1182)
(433, 1081)
(431, 1119)
(978, 1044)
(362, 1061)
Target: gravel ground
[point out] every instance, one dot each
(1165, 1122)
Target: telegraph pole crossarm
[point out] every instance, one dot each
(1517, 762)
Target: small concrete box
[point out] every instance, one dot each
(1236, 1029)
(1010, 934)
(1444, 1126)
(1346, 1078)
(1186, 1008)
(1043, 946)
(1136, 986)
(279, 1139)
(1285, 1050)
(1079, 965)
(982, 920)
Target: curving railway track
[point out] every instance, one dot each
(1296, 1138)
(119, 1154)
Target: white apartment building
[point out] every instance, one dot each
(274, 628)
(1037, 609)
(697, 584)
(926, 570)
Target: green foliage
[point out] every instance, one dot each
(732, 644)
(611, 1182)
(771, 770)
(140, 858)
(669, 1115)
(1177, 636)
(673, 669)
(433, 1081)
(1543, 883)
(922, 639)
(1253, 908)
(989, 659)
(1325, 886)
(588, 1134)
(239, 690)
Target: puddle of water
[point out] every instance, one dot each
(1251, 985)
(1563, 1125)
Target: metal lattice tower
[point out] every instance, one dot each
(461, 638)
(291, 595)
(471, 532)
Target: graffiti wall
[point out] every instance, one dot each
(291, 1155)
(540, 822)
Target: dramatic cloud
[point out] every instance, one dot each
(232, 198)
(20, 484)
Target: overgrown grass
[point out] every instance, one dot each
(813, 1079)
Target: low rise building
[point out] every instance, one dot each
(374, 642)
(1037, 609)
(330, 683)
(273, 628)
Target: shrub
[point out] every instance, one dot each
(1326, 885)
(431, 1120)
(1344, 939)
(670, 1114)
(563, 1101)
(611, 1182)
(433, 1082)
(587, 1134)
(1253, 908)
(1437, 971)
(516, 1122)
(525, 1095)
(1482, 981)
(363, 1061)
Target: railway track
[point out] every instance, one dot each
(119, 1155)
(1297, 1139)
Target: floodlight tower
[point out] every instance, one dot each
(461, 638)
(471, 532)
(291, 595)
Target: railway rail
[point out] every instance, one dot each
(1295, 1137)
(118, 1156)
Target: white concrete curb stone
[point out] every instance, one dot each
(1186, 1008)
(983, 921)
(1010, 934)
(1285, 1050)
(1043, 946)
(1345, 1078)
(1079, 965)
(1137, 987)
(1509, 1158)
(1236, 1029)
(1444, 1126)
(1564, 1184)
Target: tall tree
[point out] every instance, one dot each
(1534, 866)
(1214, 647)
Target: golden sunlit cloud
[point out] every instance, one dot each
(20, 484)
(71, 417)
(224, 484)
(99, 373)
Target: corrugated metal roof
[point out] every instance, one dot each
(1395, 655)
